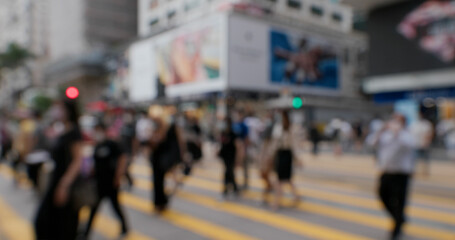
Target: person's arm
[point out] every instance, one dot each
(61, 194)
(120, 170)
(240, 151)
(181, 143)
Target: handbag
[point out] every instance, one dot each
(84, 192)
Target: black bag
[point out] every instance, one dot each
(194, 150)
(84, 192)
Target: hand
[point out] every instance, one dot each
(117, 182)
(61, 195)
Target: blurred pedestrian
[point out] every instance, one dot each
(57, 218)
(266, 157)
(285, 159)
(5, 139)
(396, 157)
(241, 130)
(422, 131)
(168, 151)
(110, 165)
(144, 130)
(315, 138)
(127, 135)
(231, 152)
(193, 137)
(39, 152)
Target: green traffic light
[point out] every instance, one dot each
(297, 103)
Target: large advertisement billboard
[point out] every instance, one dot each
(187, 60)
(412, 36)
(301, 60)
(268, 57)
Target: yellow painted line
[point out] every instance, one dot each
(417, 212)
(292, 225)
(344, 215)
(192, 224)
(109, 228)
(333, 212)
(12, 225)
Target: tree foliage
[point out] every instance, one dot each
(14, 56)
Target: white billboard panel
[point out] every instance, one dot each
(142, 72)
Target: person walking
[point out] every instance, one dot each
(285, 159)
(127, 139)
(422, 130)
(167, 152)
(110, 165)
(315, 138)
(231, 152)
(57, 218)
(242, 132)
(396, 157)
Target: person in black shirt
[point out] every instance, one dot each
(57, 218)
(231, 151)
(110, 164)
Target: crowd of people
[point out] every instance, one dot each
(89, 161)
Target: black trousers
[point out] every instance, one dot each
(229, 176)
(393, 192)
(33, 173)
(112, 195)
(53, 222)
(159, 194)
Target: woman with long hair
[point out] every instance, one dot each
(285, 159)
(57, 218)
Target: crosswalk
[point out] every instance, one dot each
(328, 210)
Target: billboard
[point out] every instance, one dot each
(190, 57)
(142, 72)
(268, 57)
(300, 60)
(412, 36)
(187, 60)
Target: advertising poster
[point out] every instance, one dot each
(301, 60)
(190, 57)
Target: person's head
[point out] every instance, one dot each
(397, 122)
(228, 125)
(66, 111)
(285, 120)
(99, 134)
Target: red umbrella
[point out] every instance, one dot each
(98, 106)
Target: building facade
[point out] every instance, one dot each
(247, 48)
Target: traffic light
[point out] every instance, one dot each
(72, 92)
(297, 103)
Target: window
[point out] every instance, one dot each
(154, 21)
(296, 4)
(171, 14)
(317, 11)
(336, 17)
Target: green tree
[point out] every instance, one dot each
(14, 56)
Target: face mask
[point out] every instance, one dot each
(99, 136)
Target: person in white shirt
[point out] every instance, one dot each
(396, 157)
(422, 131)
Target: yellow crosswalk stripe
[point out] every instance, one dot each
(345, 215)
(102, 224)
(12, 225)
(418, 212)
(109, 228)
(360, 202)
(333, 212)
(192, 224)
(295, 226)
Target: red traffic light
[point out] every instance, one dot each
(72, 92)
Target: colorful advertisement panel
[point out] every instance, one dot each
(190, 57)
(296, 59)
